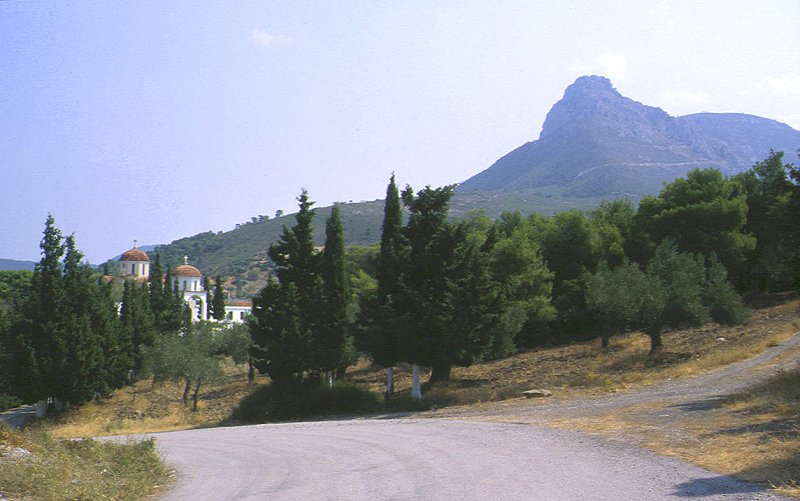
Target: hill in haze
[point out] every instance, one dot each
(595, 144)
(13, 264)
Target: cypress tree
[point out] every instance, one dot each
(382, 323)
(288, 309)
(83, 369)
(218, 301)
(40, 335)
(329, 342)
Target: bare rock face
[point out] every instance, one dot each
(536, 393)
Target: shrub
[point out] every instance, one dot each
(289, 401)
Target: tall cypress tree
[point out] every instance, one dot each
(329, 338)
(83, 367)
(382, 322)
(40, 335)
(218, 300)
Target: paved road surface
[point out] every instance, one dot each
(427, 459)
(18, 416)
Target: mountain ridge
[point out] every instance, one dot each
(597, 142)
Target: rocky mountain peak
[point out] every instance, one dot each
(592, 102)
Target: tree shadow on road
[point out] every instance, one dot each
(701, 487)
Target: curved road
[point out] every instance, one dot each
(427, 459)
(408, 459)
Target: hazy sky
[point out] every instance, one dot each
(155, 120)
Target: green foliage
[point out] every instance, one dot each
(721, 298)
(286, 313)
(14, 289)
(192, 358)
(217, 302)
(773, 204)
(624, 298)
(704, 213)
(524, 280)
(299, 401)
(63, 339)
(381, 324)
(332, 332)
(235, 342)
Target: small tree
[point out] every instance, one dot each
(624, 298)
(191, 358)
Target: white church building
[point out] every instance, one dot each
(135, 264)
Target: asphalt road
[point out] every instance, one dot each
(428, 459)
(17, 417)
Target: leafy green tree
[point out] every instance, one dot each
(703, 213)
(218, 301)
(571, 247)
(166, 304)
(624, 298)
(682, 278)
(519, 270)
(62, 344)
(445, 289)
(613, 222)
(772, 219)
(235, 341)
(191, 358)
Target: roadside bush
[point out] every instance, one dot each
(290, 401)
(8, 401)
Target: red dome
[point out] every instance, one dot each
(134, 255)
(187, 270)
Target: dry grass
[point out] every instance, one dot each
(33, 465)
(145, 407)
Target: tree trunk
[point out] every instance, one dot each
(606, 337)
(656, 345)
(330, 379)
(416, 388)
(41, 409)
(389, 383)
(251, 371)
(440, 373)
(186, 388)
(194, 396)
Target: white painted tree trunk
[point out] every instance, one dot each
(41, 408)
(389, 381)
(416, 388)
(330, 379)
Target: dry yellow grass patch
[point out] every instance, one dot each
(145, 407)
